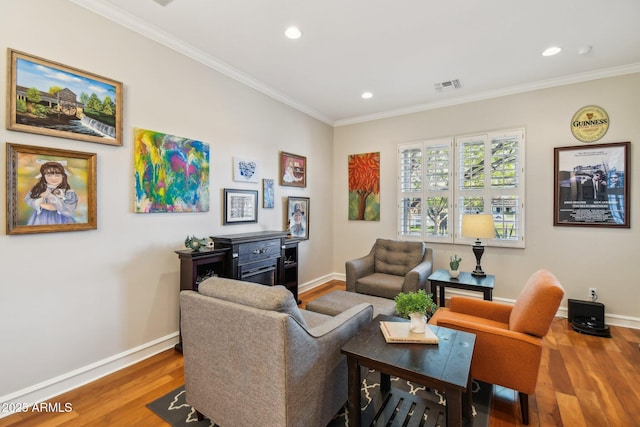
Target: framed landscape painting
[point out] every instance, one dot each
(50, 190)
(53, 99)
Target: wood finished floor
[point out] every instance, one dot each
(583, 381)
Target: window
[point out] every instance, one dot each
(440, 180)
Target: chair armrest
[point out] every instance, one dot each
(354, 317)
(511, 359)
(357, 268)
(417, 277)
(497, 311)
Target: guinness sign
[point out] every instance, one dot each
(590, 123)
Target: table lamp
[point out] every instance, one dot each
(478, 226)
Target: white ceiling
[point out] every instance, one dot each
(398, 49)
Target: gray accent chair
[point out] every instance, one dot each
(391, 267)
(252, 358)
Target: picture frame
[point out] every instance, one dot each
(591, 185)
(53, 99)
(246, 170)
(240, 206)
(34, 206)
(268, 193)
(293, 170)
(297, 221)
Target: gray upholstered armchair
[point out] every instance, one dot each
(391, 267)
(252, 358)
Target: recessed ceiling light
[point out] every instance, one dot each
(367, 95)
(553, 50)
(585, 50)
(293, 33)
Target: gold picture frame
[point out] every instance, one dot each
(49, 98)
(50, 190)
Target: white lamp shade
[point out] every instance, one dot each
(478, 226)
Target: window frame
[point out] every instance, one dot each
(455, 194)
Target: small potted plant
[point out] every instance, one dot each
(415, 306)
(454, 264)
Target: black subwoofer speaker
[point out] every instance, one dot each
(587, 317)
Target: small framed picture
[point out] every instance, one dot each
(298, 217)
(245, 170)
(268, 195)
(240, 206)
(53, 99)
(50, 190)
(293, 170)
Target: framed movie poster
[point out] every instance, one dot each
(50, 190)
(240, 206)
(591, 185)
(53, 99)
(298, 217)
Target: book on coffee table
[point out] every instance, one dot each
(398, 332)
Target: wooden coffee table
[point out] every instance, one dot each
(445, 367)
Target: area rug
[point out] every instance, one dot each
(176, 412)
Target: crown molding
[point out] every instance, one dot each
(158, 35)
(512, 90)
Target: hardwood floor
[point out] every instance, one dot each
(583, 381)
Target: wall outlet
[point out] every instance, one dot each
(593, 294)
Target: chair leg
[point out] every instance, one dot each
(524, 407)
(199, 415)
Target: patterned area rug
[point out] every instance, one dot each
(174, 410)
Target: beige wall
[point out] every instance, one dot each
(580, 257)
(90, 300)
(79, 304)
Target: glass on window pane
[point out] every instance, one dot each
(411, 170)
(504, 162)
(506, 215)
(437, 216)
(411, 216)
(437, 168)
(472, 167)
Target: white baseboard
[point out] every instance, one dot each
(61, 384)
(609, 319)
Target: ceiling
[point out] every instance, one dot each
(398, 50)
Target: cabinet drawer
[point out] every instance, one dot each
(257, 251)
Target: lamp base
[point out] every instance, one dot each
(478, 250)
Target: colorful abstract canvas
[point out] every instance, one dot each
(171, 173)
(364, 187)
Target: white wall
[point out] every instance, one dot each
(580, 257)
(91, 300)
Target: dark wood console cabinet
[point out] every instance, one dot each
(265, 257)
(198, 266)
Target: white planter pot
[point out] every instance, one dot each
(454, 274)
(418, 323)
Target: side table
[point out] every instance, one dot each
(466, 281)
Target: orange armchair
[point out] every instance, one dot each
(508, 338)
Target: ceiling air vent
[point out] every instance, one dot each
(448, 85)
